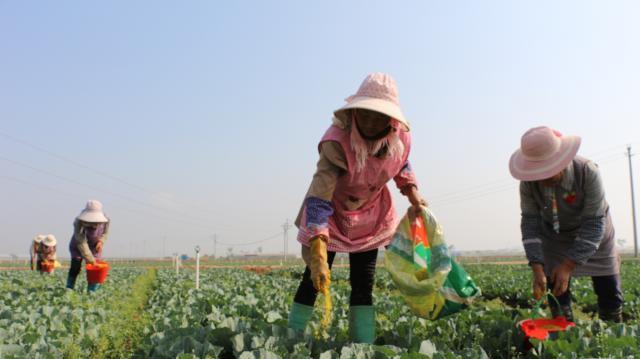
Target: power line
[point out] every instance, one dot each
(478, 191)
(467, 194)
(75, 163)
(134, 211)
(471, 189)
(28, 183)
(196, 222)
(610, 159)
(464, 197)
(506, 183)
(51, 189)
(101, 173)
(48, 173)
(251, 243)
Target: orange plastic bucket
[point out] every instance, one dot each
(541, 327)
(97, 273)
(46, 266)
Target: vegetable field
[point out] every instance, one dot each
(236, 313)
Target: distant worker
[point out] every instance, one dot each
(33, 251)
(566, 225)
(348, 207)
(47, 254)
(90, 230)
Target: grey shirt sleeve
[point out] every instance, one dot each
(593, 217)
(530, 225)
(82, 243)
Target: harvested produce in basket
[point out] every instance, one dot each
(97, 273)
(47, 266)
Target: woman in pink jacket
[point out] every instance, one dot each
(348, 207)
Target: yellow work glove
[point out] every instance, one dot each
(318, 264)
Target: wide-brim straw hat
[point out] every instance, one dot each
(543, 153)
(378, 92)
(49, 240)
(38, 238)
(92, 213)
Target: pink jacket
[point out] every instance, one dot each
(371, 225)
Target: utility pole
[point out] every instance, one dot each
(633, 205)
(164, 246)
(215, 244)
(197, 267)
(177, 262)
(285, 227)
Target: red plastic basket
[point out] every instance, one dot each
(97, 273)
(541, 327)
(46, 266)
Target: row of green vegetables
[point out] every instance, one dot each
(241, 314)
(40, 318)
(512, 285)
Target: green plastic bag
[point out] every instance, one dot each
(432, 284)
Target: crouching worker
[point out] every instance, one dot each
(47, 255)
(90, 231)
(566, 225)
(33, 251)
(348, 207)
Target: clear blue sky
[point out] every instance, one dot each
(213, 109)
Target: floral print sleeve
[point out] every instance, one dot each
(318, 212)
(406, 177)
(317, 206)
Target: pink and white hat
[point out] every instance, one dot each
(543, 153)
(49, 240)
(92, 213)
(378, 92)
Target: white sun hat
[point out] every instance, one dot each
(378, 92)
(39, 238)
(92, 213)
(49, 240)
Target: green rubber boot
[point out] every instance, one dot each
(362, 324)
(299, 316)
(611, 315)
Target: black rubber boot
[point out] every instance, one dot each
(611, 315)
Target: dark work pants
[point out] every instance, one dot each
(74, 270)
(362, 270)
(608, 289)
